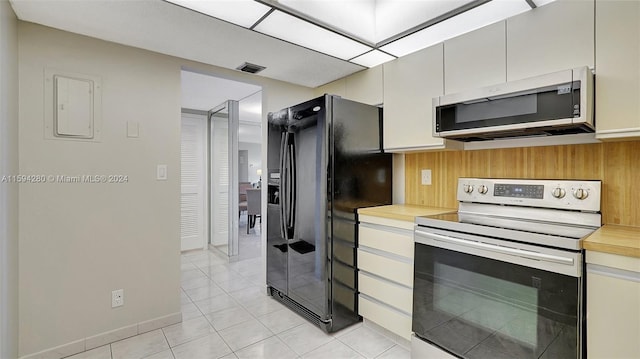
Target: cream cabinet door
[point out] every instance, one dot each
(613, 313)
(410, 84)
(475, 59)
(617, 69)
(550, 38)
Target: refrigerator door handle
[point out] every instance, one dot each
(283, 180)
(292, 183)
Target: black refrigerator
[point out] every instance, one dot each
(325, 161)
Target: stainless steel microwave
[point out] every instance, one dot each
(552, 104)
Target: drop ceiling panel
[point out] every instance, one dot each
(289, 28)
(240, 12)
(341, 14)
(396, 16)
(474, 19)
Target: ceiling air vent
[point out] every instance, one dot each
(250, 68)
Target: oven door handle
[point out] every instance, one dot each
(496, 248)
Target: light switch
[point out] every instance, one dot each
(133, 129)
(161, 173)
(73, 99)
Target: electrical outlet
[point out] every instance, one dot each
(117, 298)
(426, 177)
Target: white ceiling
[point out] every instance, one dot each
(204, 92)
(166, 28)
(336, 38)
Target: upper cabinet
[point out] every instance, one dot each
(554, 37)
(475, 59)
(617, 69)
(364, 86)
(410, 83)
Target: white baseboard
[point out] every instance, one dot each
(105, 338)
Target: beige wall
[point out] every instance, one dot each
(8, 192)
(78, 242)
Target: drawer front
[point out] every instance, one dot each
(386, 317)
(391, 269)
(389, 241)
(393, 294)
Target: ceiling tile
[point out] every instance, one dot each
(489, 13)
(341, 15)
(292, 29)
(240, 12)
(372, 58)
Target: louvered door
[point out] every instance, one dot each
(193, 170)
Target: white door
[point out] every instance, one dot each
(193, 179)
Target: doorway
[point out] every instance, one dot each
(224, 130)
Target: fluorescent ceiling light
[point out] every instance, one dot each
(240, 12)
(476, 18)
(341, 15)
(292, 29)
(395, 16)
(372, 58)
(377, 20)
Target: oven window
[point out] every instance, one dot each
(476, 307)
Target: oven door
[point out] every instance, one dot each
(485, 298)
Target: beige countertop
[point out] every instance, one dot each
(403, 212)
(615, 239)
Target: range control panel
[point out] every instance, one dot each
(561, 194)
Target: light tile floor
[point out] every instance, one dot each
(227, 314)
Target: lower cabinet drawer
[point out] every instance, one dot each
(395, 270)
(385, 316)
(395, 295)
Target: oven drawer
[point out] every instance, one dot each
(395, 295)
(388, 239)
(395, 269)
(385, 316)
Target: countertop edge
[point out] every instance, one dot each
(403, 212)
(614, 239)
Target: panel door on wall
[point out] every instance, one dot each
(617, 69)
(410, 83)
(550, 38)
(475, 59)
(193, 177)
(613, 312)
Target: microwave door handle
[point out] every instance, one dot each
(283, 180)
(495, 248)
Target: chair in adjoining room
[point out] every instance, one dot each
(242, 200)
(254, 205)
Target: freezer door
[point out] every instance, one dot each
(307, 254)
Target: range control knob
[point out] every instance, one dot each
(482, 189)
(558, 192)
(580, 193)
(468, 188)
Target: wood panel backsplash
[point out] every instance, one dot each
(616, 164)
